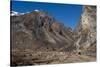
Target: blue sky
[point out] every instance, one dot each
(68, 14)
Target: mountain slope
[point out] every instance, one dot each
(39, 31)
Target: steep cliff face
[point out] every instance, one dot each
(86, 30)
(39, 31)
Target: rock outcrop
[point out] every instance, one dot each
(86, 30)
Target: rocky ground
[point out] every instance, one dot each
(29, 57)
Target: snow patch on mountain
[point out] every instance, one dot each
(14, 13)
(36, 10)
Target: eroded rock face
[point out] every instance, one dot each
(86, 30)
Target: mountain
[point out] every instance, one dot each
(86, 31)
(39, 31)
(38, 38)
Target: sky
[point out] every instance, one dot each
(68, 14)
